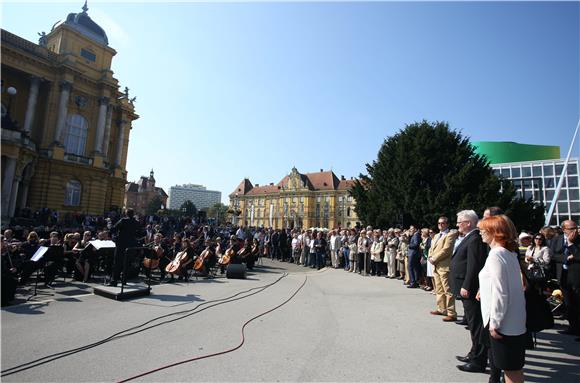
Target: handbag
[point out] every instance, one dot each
(538, 312)
(537, 274)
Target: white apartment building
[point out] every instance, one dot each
(198, 194)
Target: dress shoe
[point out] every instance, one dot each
(462, 322)
(112, 284)
(568, 332)
(463, 359)
(470, 367)
(449, 319)
(436, 312)
(413, 286)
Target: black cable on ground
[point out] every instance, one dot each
(136, 329)
(220, 352)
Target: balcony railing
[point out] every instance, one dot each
(18, 42)
(17, 137)
(78, 159)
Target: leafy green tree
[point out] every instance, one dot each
(154, 206)
(188, 208)
(218, 212)
(424, 171)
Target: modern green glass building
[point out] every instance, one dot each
(535, 171)
(499, 152)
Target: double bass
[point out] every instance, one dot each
(175, 266)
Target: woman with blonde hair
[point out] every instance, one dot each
(503, 305)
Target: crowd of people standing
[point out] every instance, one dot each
(479, 263)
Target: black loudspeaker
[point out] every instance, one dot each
(237, 271)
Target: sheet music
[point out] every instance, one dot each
(39, 254)
(98, 244)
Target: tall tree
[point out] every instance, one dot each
(424, 171)
(154, 206)
(218, 212)
(188, 208)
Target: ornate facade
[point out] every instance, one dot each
(139, 194)
(298, 201)
(65, 123)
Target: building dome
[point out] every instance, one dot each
(82, 23)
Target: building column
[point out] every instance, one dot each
(105, 147)
(31, 106)
(103, 104)
(13, 196)
(7, 180)
(65, 89)
(24, 194)
(120, 143)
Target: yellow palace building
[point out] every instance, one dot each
(65, 122)
(299, 200)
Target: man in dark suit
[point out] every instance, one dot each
(467, 261)
(126, 238)
(414, 257)
(567, 259)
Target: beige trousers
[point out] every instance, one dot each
(445, 298)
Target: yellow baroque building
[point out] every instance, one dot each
(298, 201)
(65, 123)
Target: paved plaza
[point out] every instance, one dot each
(338, 327)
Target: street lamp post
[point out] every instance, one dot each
(11, 91)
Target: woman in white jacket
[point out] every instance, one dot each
(503, 305)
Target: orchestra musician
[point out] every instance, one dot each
(26, 251)
(181, 261)
(231, 254)
(9, 274)
(162, 250)
(254, 255)
(49, 261)
(85, 256)
(208, 257)
(245, 254)
(69, 242)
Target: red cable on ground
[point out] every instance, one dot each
(221, 352)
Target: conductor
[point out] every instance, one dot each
(126, 238)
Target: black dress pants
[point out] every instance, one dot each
(478, 353)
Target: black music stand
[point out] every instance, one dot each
(47, 255)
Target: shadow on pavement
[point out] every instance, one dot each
(545, 364)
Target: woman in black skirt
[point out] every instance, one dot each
(503, 305)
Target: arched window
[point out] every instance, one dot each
(76, 134)
(72, 195)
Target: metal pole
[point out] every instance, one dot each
(561, 180)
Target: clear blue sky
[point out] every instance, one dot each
(233, 90)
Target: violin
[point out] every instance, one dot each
(175, 266)
(153, 263)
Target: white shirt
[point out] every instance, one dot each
(503, 304)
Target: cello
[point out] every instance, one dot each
(227, 257)
(153, 263)
(199, 261)
(175, 266)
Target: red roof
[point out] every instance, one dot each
(243, 188)
(324, 180)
